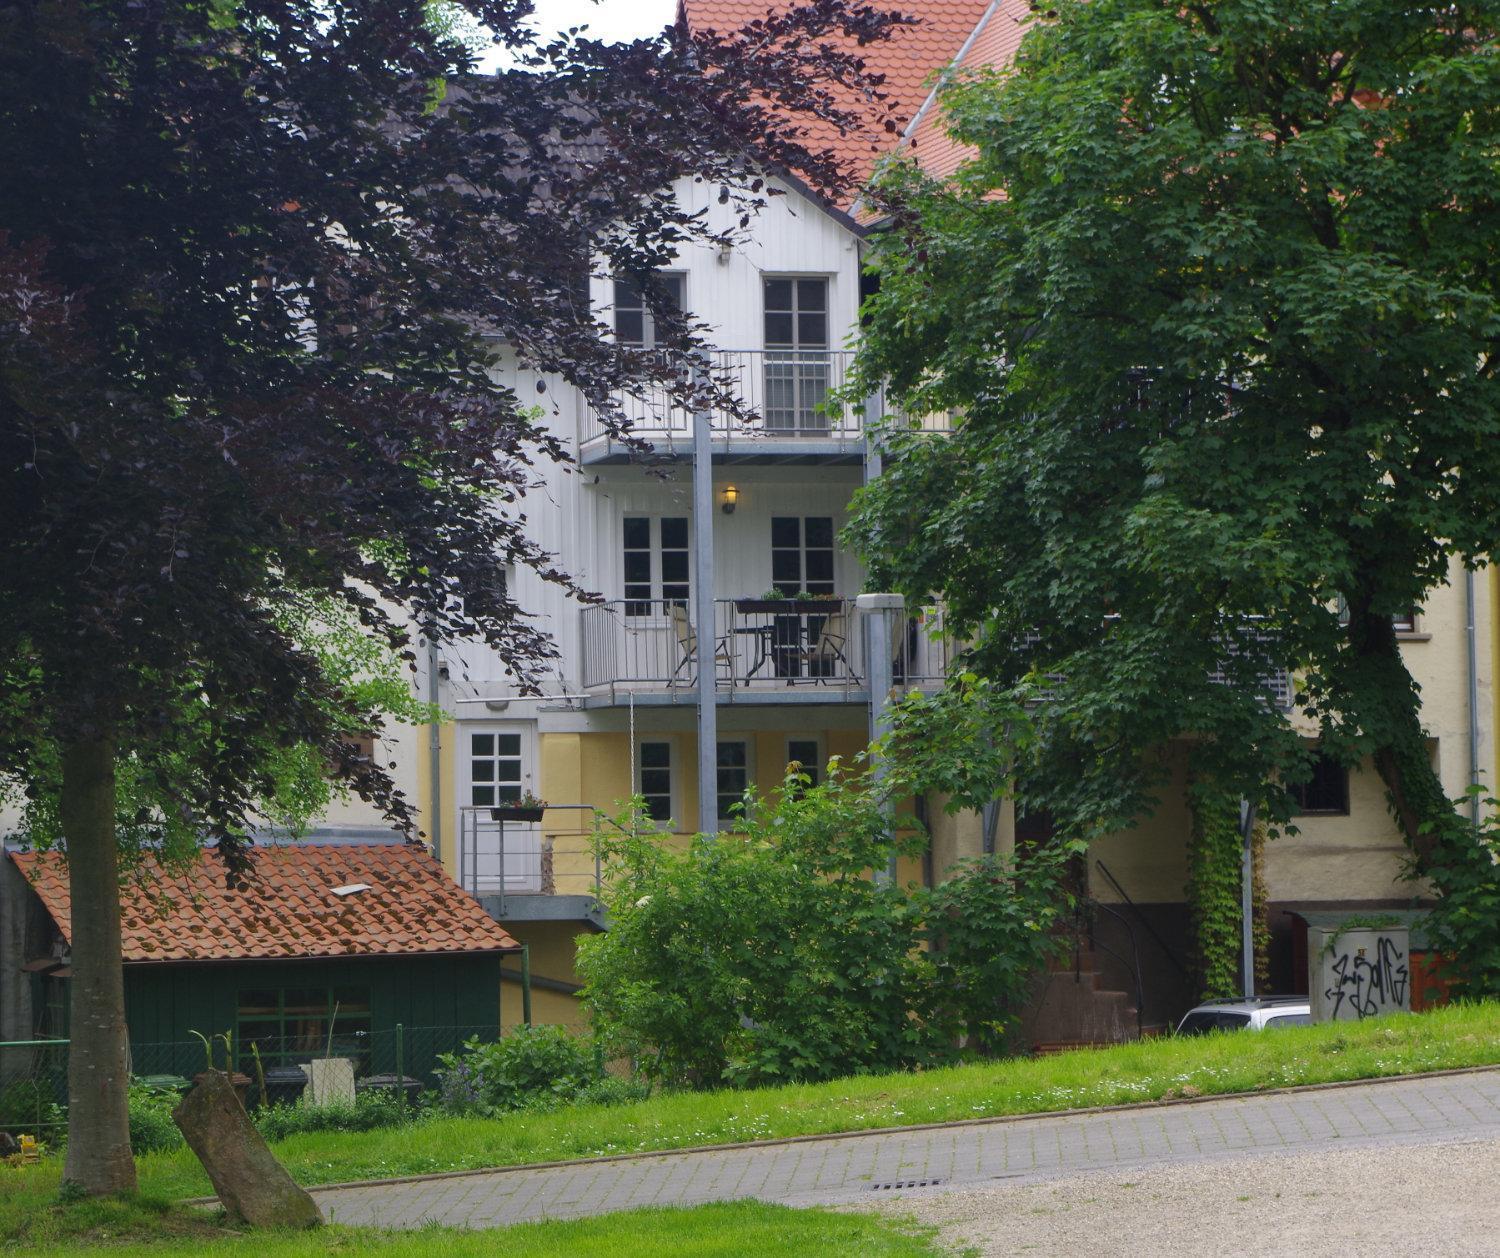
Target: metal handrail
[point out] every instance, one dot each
(468, 872)
(1135, 969)
(783, 395)
(1150, 930)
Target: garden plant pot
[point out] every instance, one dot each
(516, 814)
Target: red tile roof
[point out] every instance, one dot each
(908, 60)
(287, 910)
(994, 46)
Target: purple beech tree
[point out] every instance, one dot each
(253, 259)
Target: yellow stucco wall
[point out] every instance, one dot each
(552, 953)
(1359, 856)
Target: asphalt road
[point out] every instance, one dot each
(1429, 1200)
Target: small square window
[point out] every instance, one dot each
(1326, 792)
(807, 755)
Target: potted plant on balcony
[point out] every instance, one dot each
(526, 807)
(797, 603)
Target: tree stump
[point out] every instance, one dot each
(252, 1185)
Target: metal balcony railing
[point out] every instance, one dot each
(786, 396)
(500, 854)
(758, 645)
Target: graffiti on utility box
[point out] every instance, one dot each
(1358, 973)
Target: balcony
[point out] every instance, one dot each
(807, 650)
(524, 870)
(789, 416)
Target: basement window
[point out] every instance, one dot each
(1326, 793)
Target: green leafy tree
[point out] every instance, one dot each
(1215, 295)
(255, 258)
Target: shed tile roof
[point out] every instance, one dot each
(908, 60)
(286, 909)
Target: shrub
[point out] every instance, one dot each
(772, 956)
(371, 1109)
(151, 1127)
(528, 1068)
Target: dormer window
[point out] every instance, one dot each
(634, 324)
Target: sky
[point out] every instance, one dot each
(611, 20)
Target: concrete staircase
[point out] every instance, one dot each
(1072, 1008)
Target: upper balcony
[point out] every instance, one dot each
(789, 414)
(764, 650)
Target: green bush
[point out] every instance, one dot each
(772, 956)
(151, 1127)
(371, 1109)
(529, 1068)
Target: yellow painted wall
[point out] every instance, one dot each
(552, 956)
(1150, 859)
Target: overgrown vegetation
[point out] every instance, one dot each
(371, 1109)
(773, 955)
(151, 1127)
(535, 1067)
(1214, 893)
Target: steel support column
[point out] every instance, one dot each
(703, 617)
(883, 615)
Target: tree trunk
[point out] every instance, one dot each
(98, 1159)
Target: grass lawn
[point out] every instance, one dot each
(149, 1227)
(1459, 1035)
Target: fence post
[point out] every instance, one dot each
(526, 983)
(401, 1070)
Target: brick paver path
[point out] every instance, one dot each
(860, 1168)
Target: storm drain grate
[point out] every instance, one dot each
(890, 1184)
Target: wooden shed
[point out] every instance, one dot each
(365, 951)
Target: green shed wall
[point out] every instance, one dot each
(438, 1001)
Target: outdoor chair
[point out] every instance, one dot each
(829, 650)
(687, 648)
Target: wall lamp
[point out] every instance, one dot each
(731, 500)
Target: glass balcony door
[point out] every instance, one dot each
(798, 363)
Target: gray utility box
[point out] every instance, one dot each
(1358, 972)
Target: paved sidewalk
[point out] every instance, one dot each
(872, 1168)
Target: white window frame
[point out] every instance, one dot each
(798, 374)
(674, 770)
(648, 322)
(821, 766)
(748, 742)
(655, 552)
(802, 550)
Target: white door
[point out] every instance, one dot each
(497, 854)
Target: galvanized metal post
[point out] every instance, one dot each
(874, 461)
(881, 613)
(1247, 896)
(401, 1069)
(526, 983)
(703, 613)
(434, 752)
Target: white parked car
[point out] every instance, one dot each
(1241, 1013)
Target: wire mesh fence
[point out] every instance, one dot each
(33, 1085)
(271, 1069)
